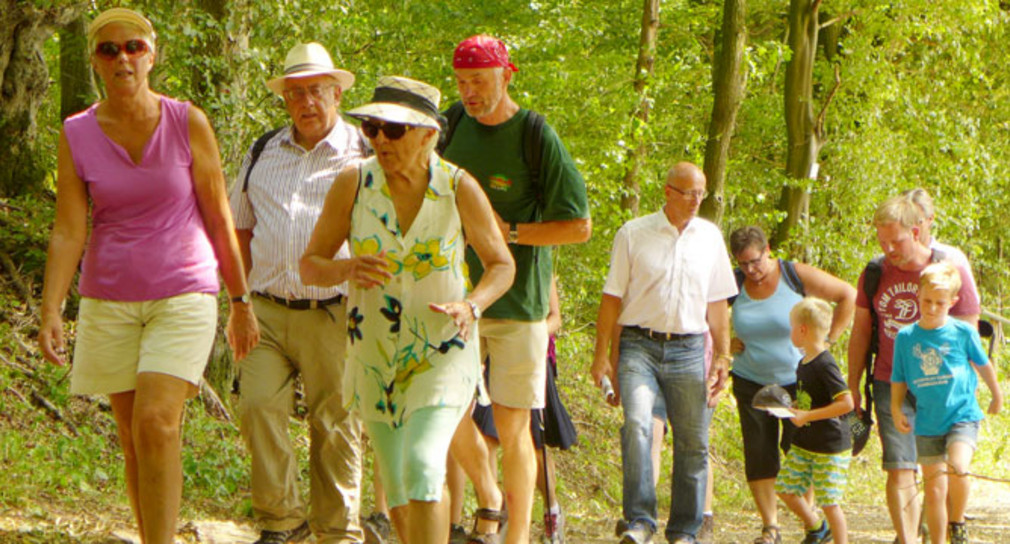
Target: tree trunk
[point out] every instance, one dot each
(804, 142)
(24, 80)
(643, 72)
(218, 89)
(77, 81)
(220, 82)
(729, 81)
(208, 80)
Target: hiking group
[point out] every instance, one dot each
(381, 265)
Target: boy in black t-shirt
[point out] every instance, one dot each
(821, 445)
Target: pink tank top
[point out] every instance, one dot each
(148, 239)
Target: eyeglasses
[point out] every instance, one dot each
(111, 50)
(296, 94)
(753, 262)
(393, 131)
(696, 194)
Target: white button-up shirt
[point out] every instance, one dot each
(286, 192)
(665, 278)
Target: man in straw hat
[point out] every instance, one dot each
(277, 199)
(539, 201)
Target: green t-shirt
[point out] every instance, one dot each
(494, 156)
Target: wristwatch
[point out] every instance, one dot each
(244, 299)
(474, 308)
(513, 237)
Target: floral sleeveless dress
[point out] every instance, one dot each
(403, 356)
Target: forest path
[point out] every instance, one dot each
(989, 513)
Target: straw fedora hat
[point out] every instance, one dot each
(310, 59)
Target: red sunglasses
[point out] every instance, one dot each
(111, 50)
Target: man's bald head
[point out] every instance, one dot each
(685, 172)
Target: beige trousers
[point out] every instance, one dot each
(310, 342)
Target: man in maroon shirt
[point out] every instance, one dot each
(895, 303)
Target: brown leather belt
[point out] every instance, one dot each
(656, 335)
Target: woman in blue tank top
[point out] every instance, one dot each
(764, 354)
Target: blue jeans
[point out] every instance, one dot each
(673, 371)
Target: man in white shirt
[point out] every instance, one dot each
(276, 201)
(669, 279)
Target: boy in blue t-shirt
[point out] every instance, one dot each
(822, 443)
(931, 357)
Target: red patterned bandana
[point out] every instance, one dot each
(482, 51)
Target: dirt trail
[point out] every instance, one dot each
(989, 513)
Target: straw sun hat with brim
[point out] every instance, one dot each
(306, 60)
(404, 101)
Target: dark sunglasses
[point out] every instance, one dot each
(393, 131)
(111, 50)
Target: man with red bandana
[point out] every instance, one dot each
(535, 210)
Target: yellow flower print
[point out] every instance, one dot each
(372, 246)
(366, 246)
(425, 257)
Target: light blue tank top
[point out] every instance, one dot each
(763, 325)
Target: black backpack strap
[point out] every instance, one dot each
(739, 276)
(257, 150)
(871, 283)
(452, 118)
(533, 146)
(792, 277)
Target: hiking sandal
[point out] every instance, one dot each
(489, 514)
(769, 535)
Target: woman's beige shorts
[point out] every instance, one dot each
(118, 340)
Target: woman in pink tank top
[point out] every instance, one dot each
(161, 228)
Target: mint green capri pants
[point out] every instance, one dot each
(411, 457)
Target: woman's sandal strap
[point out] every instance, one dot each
(490, 514)
(769, 535)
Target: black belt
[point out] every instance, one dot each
(303, 303)
(656, 335)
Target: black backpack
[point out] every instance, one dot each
(257, 150)
(532, 144)
(788, 274)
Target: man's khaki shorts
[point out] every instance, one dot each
(118, 340)
(518, 353)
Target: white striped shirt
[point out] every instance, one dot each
(285, 195)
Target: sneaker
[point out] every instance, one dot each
(958, 533)
(457, 534)
(637, 533)
(554, 528)
(377, 528)
(819, 535)
(297, 534)
(706, 535)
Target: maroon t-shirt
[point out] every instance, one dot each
(897, 305)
